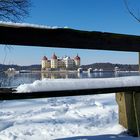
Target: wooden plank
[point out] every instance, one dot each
(6, 90)
(63, 93)
(136, 105)
(129, 111)
(67, 38)
(139, 61)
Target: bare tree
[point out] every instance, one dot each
(14, 10)
(131, 12)
(137, 18)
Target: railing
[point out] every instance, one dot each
(63, 93)
(70, 38)
(67, 38)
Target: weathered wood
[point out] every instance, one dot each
(63, 93)
(136, 99)
(67, 38)
(139, 60)
(6, 90)
(128, 101)
(129, 111)
(122, 109)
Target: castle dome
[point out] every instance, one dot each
(44, 58)
(54, 56)
(77, 57)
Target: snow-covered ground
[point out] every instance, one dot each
(70, 118)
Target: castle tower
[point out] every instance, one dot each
(54, 61)
(44, 63)
(77, 61)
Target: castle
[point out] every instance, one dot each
(60, 63)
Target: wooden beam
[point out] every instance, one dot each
(129, 111)
(139, 61)
(63, 93)
(67, 38)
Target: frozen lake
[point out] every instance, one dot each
(13, 80)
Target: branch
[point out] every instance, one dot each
(14, 10)
(130, 12)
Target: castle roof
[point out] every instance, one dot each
(54, 56)
(44, 58)
(77, 57)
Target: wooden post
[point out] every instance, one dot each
(129, 111)
(139, 61)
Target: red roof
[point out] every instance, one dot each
(44, 58)
(54, 56)
(77, 57)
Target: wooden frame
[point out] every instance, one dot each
(67, 38)
(70, 38)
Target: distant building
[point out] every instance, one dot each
(45, 63)
(116, 69)
(54, 62)
(60, 63)
(80, 70)
(69, 63)
(77, 60)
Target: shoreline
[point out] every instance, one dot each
(75, 71)
(63, 71)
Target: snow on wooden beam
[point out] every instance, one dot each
(67, 38)
(62, 93)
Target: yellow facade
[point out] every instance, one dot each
(63, 63)
(77, 63)
(46, 64)
(54, 63)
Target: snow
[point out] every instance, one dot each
(69, 84)
(68, 118)
(80, 118)
(29, 25)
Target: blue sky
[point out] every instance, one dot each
(93, 15)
